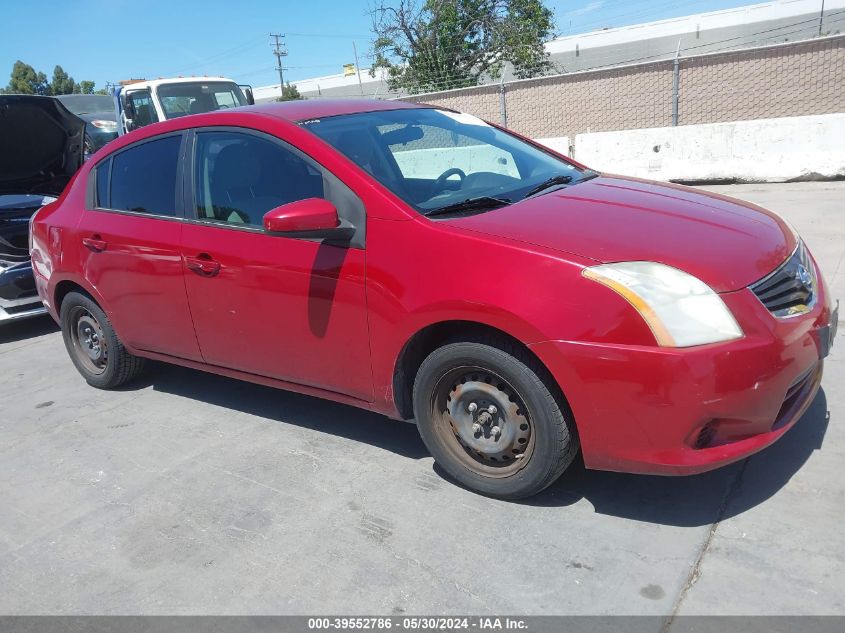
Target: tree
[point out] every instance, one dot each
(289, 93)
(62, 84)
(25, 80)
(427, 45)
(86, 87)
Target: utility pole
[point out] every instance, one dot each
(676, 83)
(821, 18)
(280, 51)
(357, 67)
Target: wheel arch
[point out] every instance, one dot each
(64, 288)
(435, 335)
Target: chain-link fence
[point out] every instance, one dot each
(782, 80)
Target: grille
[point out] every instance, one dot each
(791, 289)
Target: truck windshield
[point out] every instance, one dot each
(194, 97)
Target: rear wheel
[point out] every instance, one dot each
(491, 421)
(93, 345)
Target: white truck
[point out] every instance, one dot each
(139, 102)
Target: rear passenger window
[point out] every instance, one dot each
(143, 178)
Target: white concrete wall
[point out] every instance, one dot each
(764, 150)
(560, 144)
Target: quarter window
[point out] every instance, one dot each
(102, 178)
(143, 178)
(240, 177)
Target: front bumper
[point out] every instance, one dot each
(684, 411)
(18, 296)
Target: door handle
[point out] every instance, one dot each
(203, 265)
(94, 243)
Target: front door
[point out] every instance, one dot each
(286, 308)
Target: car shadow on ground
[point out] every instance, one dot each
(697, 499)
(28, 328)
(285, 406)
(680, 501)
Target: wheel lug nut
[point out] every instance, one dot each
(476, 428)
(495, 432)
(472, 407)
(492, 409)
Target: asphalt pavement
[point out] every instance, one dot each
(189, 493)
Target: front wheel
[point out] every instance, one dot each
(93, 345)
(493, 419)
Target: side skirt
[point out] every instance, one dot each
(264, 380)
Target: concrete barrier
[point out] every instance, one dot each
(559, 144)
(764, 150)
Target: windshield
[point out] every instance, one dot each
(86, 104)
(195, 97)
(434, 159)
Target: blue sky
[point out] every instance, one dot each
(109, 40)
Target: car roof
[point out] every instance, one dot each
(305, 109)
(291, 112)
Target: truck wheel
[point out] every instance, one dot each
(491, 421)
(93, 345)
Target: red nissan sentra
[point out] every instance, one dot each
(427, 265)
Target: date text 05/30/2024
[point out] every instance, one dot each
(418, 623)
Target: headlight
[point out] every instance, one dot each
(680, 309)
(109, 126)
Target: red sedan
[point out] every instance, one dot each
(427, 265)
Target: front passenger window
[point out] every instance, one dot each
(240, 177)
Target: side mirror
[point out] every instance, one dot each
(250, 98)
(313, 218)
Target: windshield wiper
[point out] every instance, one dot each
(547, 184)
(470, 204)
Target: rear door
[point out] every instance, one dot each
(131, 231)
(286, 308)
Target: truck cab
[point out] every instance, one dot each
(139, 102)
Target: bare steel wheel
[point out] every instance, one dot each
(93, 345)
(483, 420)
(493, 418)
(89, 344)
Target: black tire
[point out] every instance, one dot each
(481, 371)
(93, 345)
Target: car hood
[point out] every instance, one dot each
(41, 145)
(726, 243)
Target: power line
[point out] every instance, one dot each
(240, 49)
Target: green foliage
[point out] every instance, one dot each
(27, 81)
(289, 93)
(62, 84)
(86, 87)
(430, 45)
